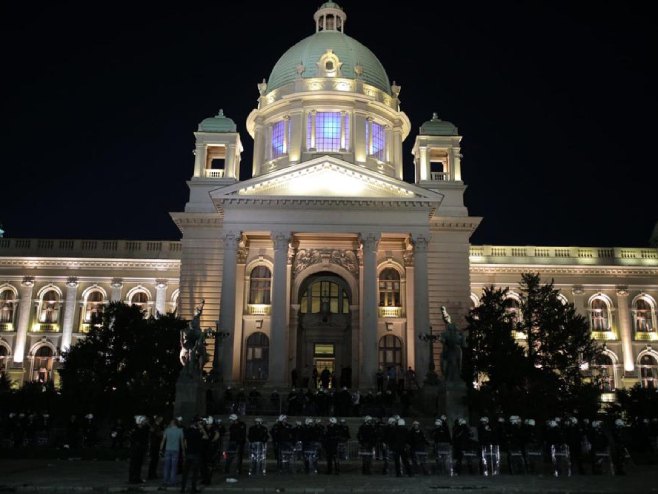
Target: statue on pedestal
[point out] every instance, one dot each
(453, 341)
(193, 354)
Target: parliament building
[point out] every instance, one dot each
(325, 256)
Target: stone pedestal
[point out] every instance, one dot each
(190, 397)
(452, 400)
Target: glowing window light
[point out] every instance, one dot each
(278, 145)
(327, 131)
(378, 140)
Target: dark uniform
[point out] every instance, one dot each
(398, 441)
(331, 438)
(418, 444)
(139, 440)
(237, 435)
(367, 436)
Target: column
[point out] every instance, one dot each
(70, 305)
(227, 308)
(369, 353)
(343, 122)
(25, 308)
(278, 364)
(625, 325)
(229, 163)
(117, 285)
(259, 148)
(160, 297)
(286, 132)
(311, 145)
(421, 303)
(369, 143)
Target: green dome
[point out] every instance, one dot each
(438, 127)
(218, 123)
(309, 50)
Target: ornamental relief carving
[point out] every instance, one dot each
(347, 259)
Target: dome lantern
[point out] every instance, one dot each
(330, 17)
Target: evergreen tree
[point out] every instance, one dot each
(126, 364)
(541, 374)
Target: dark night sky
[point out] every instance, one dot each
(556, 102)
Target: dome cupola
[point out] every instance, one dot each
(218, 123)
(329, 17)
(438, 127)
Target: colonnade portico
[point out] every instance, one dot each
(287, 276)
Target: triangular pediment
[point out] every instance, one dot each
(325, 178)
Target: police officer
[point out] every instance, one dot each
(461, 440)
(276, 434)
(237, 435)
(398, 441)
(418, 443)
(367, 436)
(331, 437)
(257, 437)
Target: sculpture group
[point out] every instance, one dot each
(193, 355)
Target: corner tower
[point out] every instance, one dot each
(328, 95)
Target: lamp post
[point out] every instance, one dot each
(432, 377)
(216, 374)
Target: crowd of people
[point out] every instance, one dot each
(191, 452)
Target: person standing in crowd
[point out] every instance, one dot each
(331, 438)
(194, 437)
(139, 440)
(172, 446)
(155, 439)
(237, 435)
(380, 380)
(367, 436)
(418, 443)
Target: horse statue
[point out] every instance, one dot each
(193, 354)
(453, 341)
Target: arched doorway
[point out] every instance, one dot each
(258, 357)
(324, 336)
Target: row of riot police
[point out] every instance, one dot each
(304, 442)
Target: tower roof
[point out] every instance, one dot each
(438, 127)
(218, 123)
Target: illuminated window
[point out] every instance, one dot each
(643, 316)
(327, 131)
(604, 368)
(376, 142)
(7, 307)
(390, 351)
(141, 300)
(93, 307)
(389, 288)
(278, 141)
(49, 307)
(648, 371)
(4, 359)
(325, 297)
(42, 365)
(599, 315)
(260, 282)
(257, 361)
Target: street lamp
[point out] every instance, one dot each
(216, 373)
(432, 377)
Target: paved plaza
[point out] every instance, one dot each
(61, 476)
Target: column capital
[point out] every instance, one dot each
(370, 241)
(72, 281)
(577, 290)
(161, 283)
(231, 239)
(117, 283)
(421, 242)
(28, 281)
(281, 240)
(622, 291)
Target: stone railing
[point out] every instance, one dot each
(624, 256)
(214, 173)
(390, 311)
(39, 247)
(259, 309)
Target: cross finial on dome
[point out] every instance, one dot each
(435, 116)
(329, 17)
(221, 112)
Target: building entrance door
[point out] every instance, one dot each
(324, 334)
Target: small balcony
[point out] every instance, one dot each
(604, 335)
(214, 173)
(259, 309)
(439, 176)
(646, 336)
(6, 326)
(390, 311)
(45, 327)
